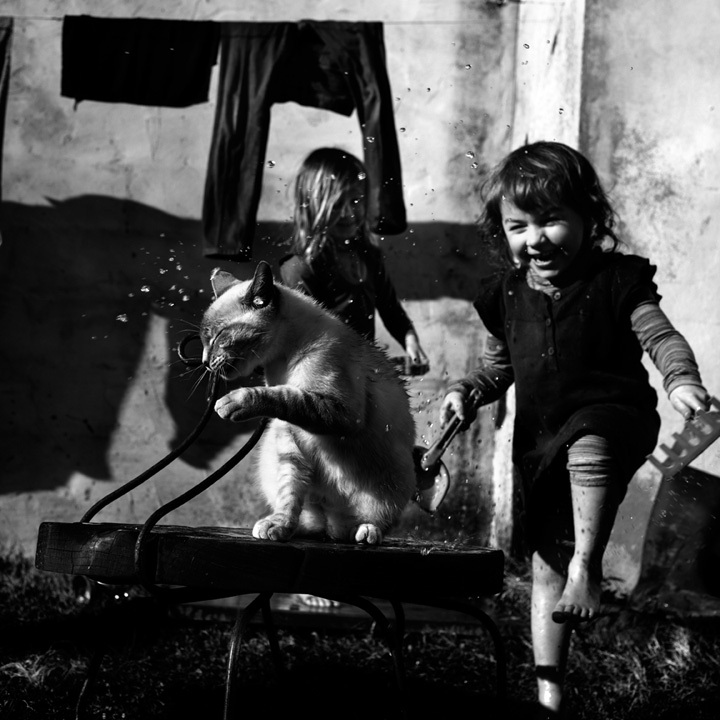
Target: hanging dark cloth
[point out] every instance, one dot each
(338, 66)
(163, 63)
(6, 31)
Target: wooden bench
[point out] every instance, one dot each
(185, 564)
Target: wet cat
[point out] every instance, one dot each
(336, 459)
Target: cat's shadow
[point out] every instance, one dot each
(92, 291)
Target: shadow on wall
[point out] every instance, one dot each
(82, 284)
(681, 556)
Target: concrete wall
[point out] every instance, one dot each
(101, 267)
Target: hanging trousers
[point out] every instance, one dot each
(338, 66)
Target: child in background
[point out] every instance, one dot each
(335, 259)
(567, 322)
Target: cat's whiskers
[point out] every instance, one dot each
(187, 372)
(194, 326)
(204, 372)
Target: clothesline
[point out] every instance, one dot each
(464, 23)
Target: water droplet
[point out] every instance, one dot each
(474, 166)
(470, 154)
(526, 46)
(162, 271)
(271, 163)
(467, 67)
(403, 129)
(145, 289)
(122, 318)
(560, 111)
(361, 176)
(370, 139)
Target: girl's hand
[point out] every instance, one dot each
(415, 352)
(453, 404)
(688, 399)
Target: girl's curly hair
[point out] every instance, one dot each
(544, 175)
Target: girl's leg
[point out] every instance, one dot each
(594, 510)
(550, 639)
(594, 482)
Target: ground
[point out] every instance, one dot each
(163, 662)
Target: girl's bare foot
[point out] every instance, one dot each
(580, 600)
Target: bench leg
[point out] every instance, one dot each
(489, 624)
(398, 653)
(393, 636)
(90, 677)
(261, 602)
(272, 637)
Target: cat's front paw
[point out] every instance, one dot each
(368, 533)
(233, 406)
(273, 527)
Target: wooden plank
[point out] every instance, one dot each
(230, 558)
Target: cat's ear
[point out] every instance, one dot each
(221, 281)
(262, 290)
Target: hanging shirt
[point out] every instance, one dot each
(163, 63)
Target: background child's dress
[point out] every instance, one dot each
(353, 285)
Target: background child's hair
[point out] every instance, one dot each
(325, 178)
(543, 175)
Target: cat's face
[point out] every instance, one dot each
(236, 328)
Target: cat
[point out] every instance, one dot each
(336, 459)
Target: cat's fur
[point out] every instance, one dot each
(337, 457)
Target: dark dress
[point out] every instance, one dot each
(353, 299)
(577, 368)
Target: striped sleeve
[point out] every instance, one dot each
(667, 348)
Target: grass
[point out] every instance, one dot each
(165, 663)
